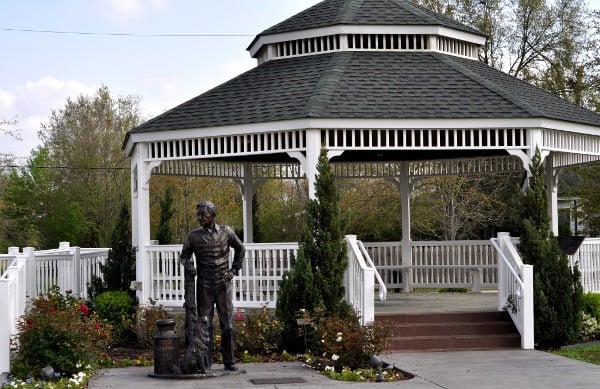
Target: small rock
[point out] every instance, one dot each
(47, 373)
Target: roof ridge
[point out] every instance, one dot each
(419, 10)
(493, 87)
(348, 10)
(328, 83)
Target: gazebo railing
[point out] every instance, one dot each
(589, 264)
(256, 286)
(437, 264)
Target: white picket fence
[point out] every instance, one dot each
(30, 273)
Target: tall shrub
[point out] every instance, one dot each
(119, 269)
(317, 277)
(558, 300)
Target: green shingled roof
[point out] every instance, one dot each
(365, 12)
(369, 85)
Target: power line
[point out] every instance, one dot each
(62, 167)
(120, 33)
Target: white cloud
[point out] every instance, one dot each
(6, 101)
(31, 104)
(126, 10)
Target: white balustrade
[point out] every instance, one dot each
(515, 288)
(588, 259)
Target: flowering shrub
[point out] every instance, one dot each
(145, 322)
(58, 330)
(347, 343)
(258, 334)
(76, 380)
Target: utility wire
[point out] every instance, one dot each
(63, 167)
(120, 33)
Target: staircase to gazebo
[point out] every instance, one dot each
(446, 321)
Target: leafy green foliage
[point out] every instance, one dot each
(558, 300)
(60, 331)
(297, 293)
(258, 334)
(116, 307)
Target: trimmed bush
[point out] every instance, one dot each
(117, 308)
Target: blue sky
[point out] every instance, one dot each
(38, 71)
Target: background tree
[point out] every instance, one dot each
(164, 233)
(461, 207)
(373, 207)
(558, 301)
(84, 142)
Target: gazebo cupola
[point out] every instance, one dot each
(365, 25)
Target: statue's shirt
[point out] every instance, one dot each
(211, 248)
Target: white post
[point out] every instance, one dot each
(64, 245)
(527, 337)
(503, 237)
(405, 190)
(4, 326)
(140, 215)
(247, 190)
(30, 272)
(76, 272)
(313, 149)
(551, 182)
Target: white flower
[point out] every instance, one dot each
(328, 368)
(335, 357)
(338, 339)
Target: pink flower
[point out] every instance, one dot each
(84, 308)
(239, 316)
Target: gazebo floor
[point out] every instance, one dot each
(435, 302)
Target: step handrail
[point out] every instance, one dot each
(367, 257)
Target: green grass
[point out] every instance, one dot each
(587, 353)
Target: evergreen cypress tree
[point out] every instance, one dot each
(119, 269)
(322, 241)
(558, 300)
(317, 277)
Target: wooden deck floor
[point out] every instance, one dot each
(434, 302)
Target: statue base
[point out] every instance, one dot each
(208, 374)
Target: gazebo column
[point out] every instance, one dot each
(309, 160)
(247, 189)
(551, 183)
(141, 172)
(404, 186)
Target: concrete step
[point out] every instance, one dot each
(451, 331)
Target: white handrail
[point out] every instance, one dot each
(515, 288)
(367, 257)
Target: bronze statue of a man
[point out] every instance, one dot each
(210, 244)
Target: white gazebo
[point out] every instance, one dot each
(389, 88)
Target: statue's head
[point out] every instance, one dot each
(206, 206)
